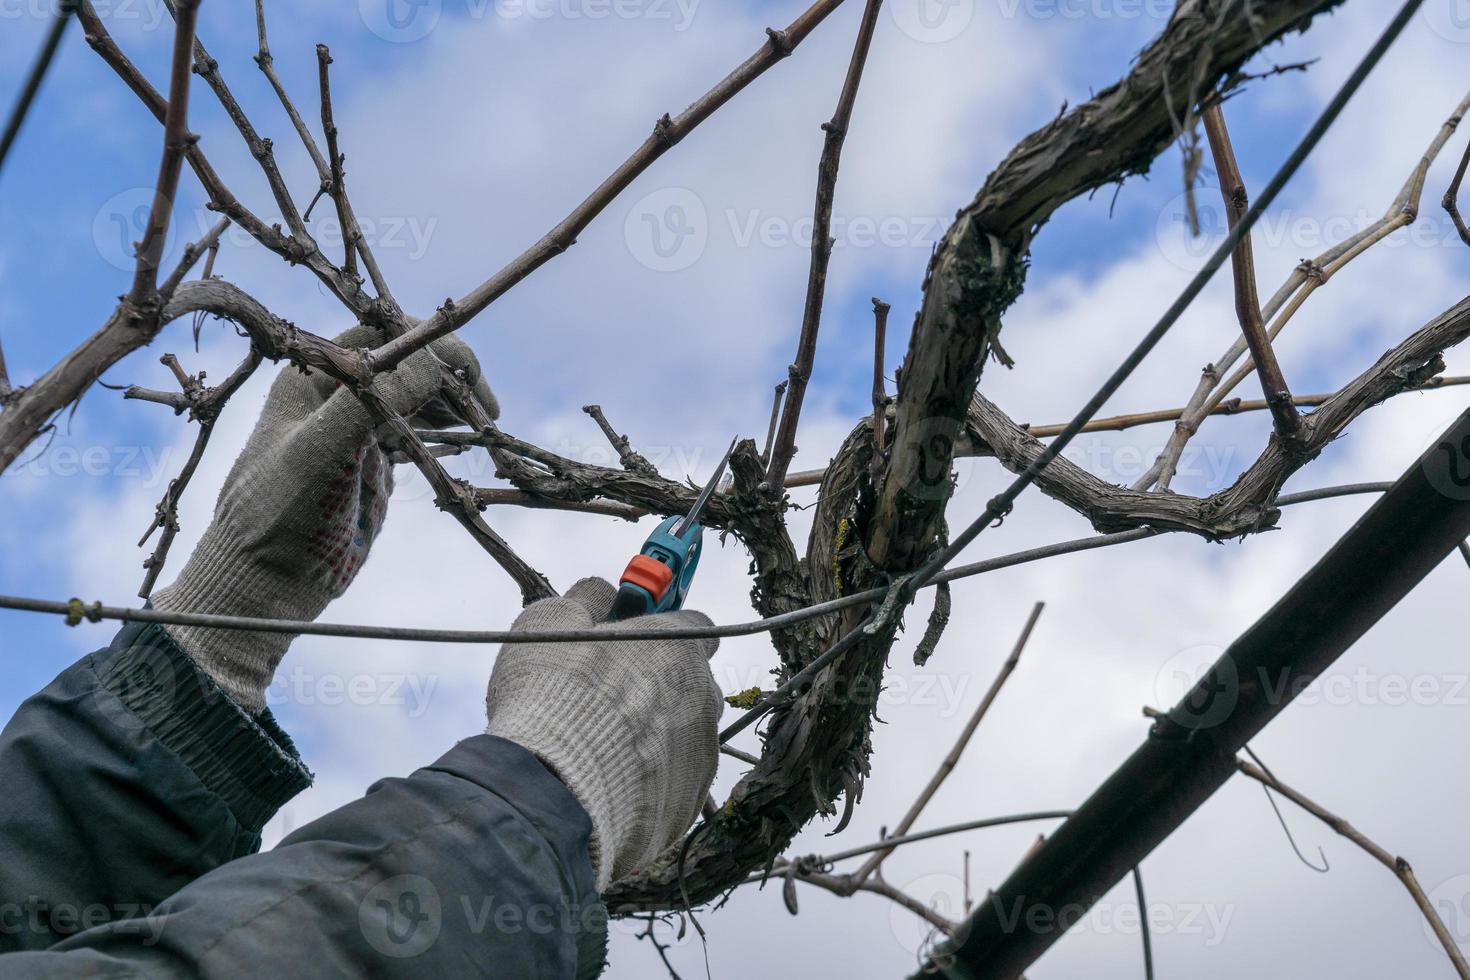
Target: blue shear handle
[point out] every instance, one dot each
(679, 554)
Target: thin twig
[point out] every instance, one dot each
(880, 396)
(208, 244)
(892, 841)
(268, 68)
(1304, 280)
(221, 199)
(1465, 551)
(32, 84)
(1243, 267)
(498, 496)
(5, 389)
(166, 514)
(261, 149)
(668, 131)
(629, 457)
(176, 141)
(1397, 865)
(968, 902)
(453, 496)
(205, 405)
(816, 288)
(740, 754)
(662, 948)
(1285, 828)
(947, 764)
(775, 417)
(1148, 943)
(354, 242)
(1452, 195)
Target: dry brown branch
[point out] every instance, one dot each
(1248, 504)
(355, 243)
(137, 317)
(816, 287)
(1452, 197)
(496, 496)
(453, 496)
(1232, 406)
(880, 396)
(735, 753)
(203, 404)
(843, 887)
(978, 269)
(352, 238)
(268, 68)
(629, 457)
(947, 764)
(176, 140)
(261, 149)
(220, 197)
(300, 248)
(1397, 865)
(1304, 280)
(1243, 267)
(1118, 423)
(275, 338)
(775, 417)
(5, 389)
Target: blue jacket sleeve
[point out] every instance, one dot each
(134, 794)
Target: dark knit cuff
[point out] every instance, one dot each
(249, 763)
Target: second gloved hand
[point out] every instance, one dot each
(630, 727)
(300, 509)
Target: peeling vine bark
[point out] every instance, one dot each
(816, 747)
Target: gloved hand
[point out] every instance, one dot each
(300, 509)
(631, 728)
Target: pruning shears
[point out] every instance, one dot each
(658, 578)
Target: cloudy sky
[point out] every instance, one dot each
(471, 126)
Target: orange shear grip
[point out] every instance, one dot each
(649, 574)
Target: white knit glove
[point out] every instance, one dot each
(631, 727)
(300, 509)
